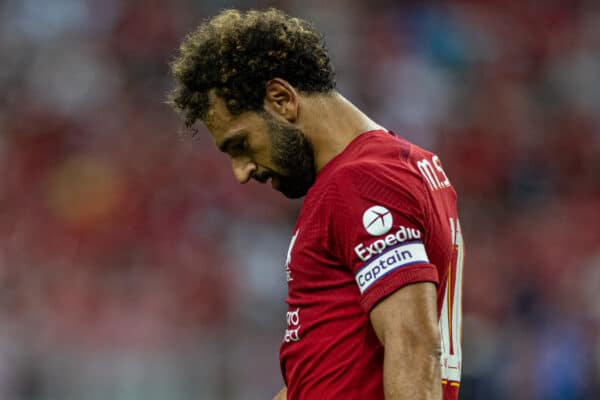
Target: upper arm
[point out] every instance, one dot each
(408, 317)
(378, 230)
(406, 324)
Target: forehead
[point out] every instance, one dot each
(221, 123)
(218, 116)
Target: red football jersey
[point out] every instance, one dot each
(382, 214)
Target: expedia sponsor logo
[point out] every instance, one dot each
(377, 220)
(365, 252)
(399, 256)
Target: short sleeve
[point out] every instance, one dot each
(379, 224)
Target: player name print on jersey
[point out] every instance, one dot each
(433, 173)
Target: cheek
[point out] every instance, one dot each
(264, 162)
(264, 156)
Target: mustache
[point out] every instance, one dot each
(262, 177)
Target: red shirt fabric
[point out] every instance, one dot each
(381, 215)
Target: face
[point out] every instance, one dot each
(262, 147)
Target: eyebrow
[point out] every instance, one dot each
(230, 140)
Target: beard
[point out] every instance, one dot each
(294, 156)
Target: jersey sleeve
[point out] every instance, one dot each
(379, 227)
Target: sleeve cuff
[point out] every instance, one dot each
(396, 280)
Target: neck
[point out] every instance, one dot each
(331, 123)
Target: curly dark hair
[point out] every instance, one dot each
(237, 53)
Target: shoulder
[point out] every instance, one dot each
(380, 168)
(361, 190)
(380, 179)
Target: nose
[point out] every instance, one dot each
(243, 169)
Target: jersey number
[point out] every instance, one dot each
(451, 315)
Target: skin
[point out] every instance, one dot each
(317, 116)
(406, 324)
(406, 321)
(282, 395)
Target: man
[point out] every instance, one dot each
(374, 268)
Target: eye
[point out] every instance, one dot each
(235, 145)
(239, 147)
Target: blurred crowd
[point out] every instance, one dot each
(132, 266)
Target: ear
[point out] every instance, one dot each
(282, 99)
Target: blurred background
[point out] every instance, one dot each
(132, 266)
